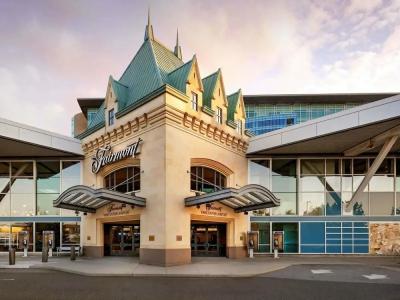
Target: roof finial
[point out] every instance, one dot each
(149, 28)
(178, 49)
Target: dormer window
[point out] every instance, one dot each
(195, 101)
(218, 116)
(111, 117)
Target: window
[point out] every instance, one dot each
(111, 117)
(218, 116)
(239, 126)
(206, 180)
(195, 101)
(124, 180)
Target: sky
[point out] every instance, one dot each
(53, 52)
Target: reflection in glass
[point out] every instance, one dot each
(46, 169)
(263, 236)
(287, 206)
(386, 167)
(71, 169)
(347, 183)
(333, 166)
(70, 233)
(359, 208)
(260, 172)
(333, 204)
(17, 238)
(22, 185)
(357, 181)
(284, 175)
(312, 204)
(312, 166)
(22, 204)
(381, 204)
(360, 165)
(333, 183)
(48, 185)
(4, 237)
(4, 205)
(40, 227)
(24, 168)
(381, 184)
(347, 166)
(206, 180)
(4, 184)
(45, 204)
(4, 169)
(312, 183)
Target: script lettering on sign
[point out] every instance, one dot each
(211, 210)
(104, 156)
(116, 210)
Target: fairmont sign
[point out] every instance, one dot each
(104, 156)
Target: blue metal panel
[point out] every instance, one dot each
(347, 249)
(312, 249)
(361, 249)
(333, 249)
(40, 219)
(312, 233)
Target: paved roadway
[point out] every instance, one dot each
(296, 282)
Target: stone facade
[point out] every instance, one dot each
(385, 238)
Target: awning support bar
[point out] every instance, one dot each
(374, 167)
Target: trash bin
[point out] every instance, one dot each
(73, 254)
(11, 256)
(45, 254)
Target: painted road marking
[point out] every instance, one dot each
(321, 271)
(375, 276)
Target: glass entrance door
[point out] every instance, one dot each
(208, 239)
(124, 240)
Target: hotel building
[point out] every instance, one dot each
(163, 168)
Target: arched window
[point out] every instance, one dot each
(206, 180)
(123, 180)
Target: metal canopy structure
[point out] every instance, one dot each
(247, 198)
(86, 199)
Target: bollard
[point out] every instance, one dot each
(276, 253)
(11, 256)
(45, 254)
(73, 254)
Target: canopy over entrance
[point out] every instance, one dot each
(86, 199)
(247, 198)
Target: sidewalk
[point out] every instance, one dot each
(200, 267)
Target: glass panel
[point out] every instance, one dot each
(333, 183)
(312, 166)
(71, 233)
(381, 184)
(312, 204)
(4, 184)
(347, 166)
(357, 181)
(22, 204)
(284, 167)
(46, 169)
(381, 204)
(260, 172)
(17, 237)
(4, 205)
(398, 177)
(24, 168)
(358, 208)
(45, 204)
(68, 182)
(284, 184)
(288, 204)
(263, 236)
(4, 237)
(48, 185)
(333, 204)
(333, 166)
(347, 183)
(386, 167)
(40, 227)
(290, 236)
(4, 169)
(360, 166)
(312, 183)
(22, 185)
(71, 169)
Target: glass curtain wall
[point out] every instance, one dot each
(262, 118)
(325, 186)
(48, 187)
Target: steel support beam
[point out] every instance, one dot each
(374, 167)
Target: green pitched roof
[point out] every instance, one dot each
(99, 118)
(232, 104)
(209, 86)
(178, 77)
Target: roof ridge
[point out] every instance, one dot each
(126, 69)
(117, 81)
(156, 63)
(211, 74)
(162, 45)
(190, 61)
